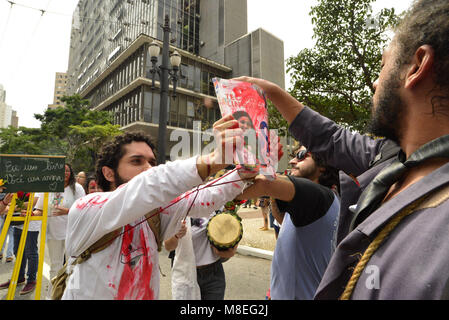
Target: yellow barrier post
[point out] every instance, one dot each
(21, 249)
(42, 246)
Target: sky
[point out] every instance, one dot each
(34, 46)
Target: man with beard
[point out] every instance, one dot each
(396, 238)
(136, 193)
(307, 207)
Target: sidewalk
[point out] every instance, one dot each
(255, 242)
(6, 270)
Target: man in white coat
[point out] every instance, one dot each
(128, 268)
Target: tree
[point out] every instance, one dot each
(276, 121)
(74, 131)
(86, 139)
(20, 141)
(336, 77)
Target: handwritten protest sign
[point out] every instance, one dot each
(30, 173)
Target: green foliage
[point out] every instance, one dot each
(74, 131)
(86, 138)
(336, 77)
(276, 121)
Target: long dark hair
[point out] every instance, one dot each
(238, 114)
(71, 178)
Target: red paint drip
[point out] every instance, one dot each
(135, 281)
(94, 201)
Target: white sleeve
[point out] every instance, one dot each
(208, 199)
(95, 215)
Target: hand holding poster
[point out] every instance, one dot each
(247, 103)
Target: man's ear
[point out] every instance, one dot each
(108, 173)
(421, 66)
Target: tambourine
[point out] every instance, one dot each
(225, 230)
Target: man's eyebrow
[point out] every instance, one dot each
(136, 156)
(151, 160)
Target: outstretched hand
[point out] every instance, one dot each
(228, 139)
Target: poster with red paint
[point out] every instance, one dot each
(247, 103)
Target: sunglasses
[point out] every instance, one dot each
(301, 155)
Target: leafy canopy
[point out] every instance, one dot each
(336, 76)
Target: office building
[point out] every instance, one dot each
(6, 112)
(109, 63)
(60, 90)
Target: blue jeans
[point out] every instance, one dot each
(10, 235)
(30, 254)
(212, 282)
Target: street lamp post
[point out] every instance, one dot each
(165, 76)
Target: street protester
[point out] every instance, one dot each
(197, 260)
(81, 178)
(123, 226)
(307, 207)
(394, 241)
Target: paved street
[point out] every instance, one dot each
(247, 275)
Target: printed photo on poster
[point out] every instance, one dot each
(247, 103)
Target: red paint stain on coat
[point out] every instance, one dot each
(135, 280)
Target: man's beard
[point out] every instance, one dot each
(385, 119)
(119, 180)
(306, 173)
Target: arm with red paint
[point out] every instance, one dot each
(95, 215)
(209, 197)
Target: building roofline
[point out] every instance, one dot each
(257, 30)
(144, 81)
(137, 43)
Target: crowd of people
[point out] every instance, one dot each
(359, 217)
(75, 187)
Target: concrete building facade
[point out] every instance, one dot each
(14, 119)
(109, 63)
(60, 90)
(6, 112)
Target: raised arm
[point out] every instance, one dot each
(340, 147)
(95, 215)
(306, 201)
(201, 201)
(287, 105)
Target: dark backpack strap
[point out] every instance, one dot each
(98, 246)
(59, 282)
